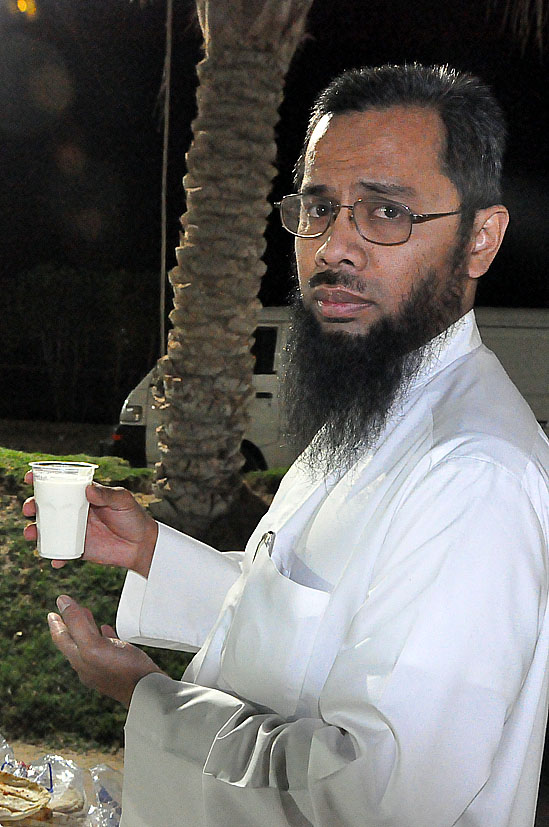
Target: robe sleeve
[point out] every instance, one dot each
(151, 612)
(413, 711)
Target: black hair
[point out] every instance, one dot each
(475, 130)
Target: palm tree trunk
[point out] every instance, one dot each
(206, 376)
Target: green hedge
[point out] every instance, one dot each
(42, 698)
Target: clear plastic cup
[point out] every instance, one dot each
(61, 507)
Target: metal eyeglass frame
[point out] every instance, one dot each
(415, 218)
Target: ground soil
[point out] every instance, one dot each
(26, 752)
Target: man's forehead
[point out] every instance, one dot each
(393, 132)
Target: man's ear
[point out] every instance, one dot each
(488, 230)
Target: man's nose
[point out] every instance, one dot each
(341, 244)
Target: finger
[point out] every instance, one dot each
(58, 564)
(30, 532)
(56, 624)
(29, 507)
(28, 477)
(78, 620)
(61, 637)
(110, 634)
(89, 615)
(117, 498)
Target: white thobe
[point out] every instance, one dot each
(378, 654)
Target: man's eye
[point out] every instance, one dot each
(317, 209)
(388, 212)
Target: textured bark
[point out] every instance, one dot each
(206, 376)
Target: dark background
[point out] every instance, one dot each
(81, 170)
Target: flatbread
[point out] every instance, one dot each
(20, 798)
(70, 801)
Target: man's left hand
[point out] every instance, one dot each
(101, 659)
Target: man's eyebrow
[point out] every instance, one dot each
(314, 189)
(388, 188)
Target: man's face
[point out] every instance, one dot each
(347, 282)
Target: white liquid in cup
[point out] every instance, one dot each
(61, 508)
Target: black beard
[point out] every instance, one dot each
(339, 388)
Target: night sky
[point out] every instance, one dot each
(81, 140)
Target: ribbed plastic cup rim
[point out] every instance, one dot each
(61, 468)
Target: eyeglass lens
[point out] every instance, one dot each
(376, 219)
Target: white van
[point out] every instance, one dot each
(519, 337)
(263, 446)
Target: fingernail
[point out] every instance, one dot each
(63, 602)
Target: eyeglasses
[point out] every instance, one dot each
(376, 219)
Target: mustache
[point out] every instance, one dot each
(336, 277)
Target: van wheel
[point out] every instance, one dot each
(254, 459)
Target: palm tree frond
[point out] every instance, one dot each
(524, 18)
(265, 25)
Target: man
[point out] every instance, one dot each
(378, 655)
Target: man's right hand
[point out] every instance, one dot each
(119, 533)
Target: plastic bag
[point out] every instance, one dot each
(83, 798)
(108, 792)
(7, 759)
(56, 774)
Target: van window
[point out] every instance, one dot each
(264, 349)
